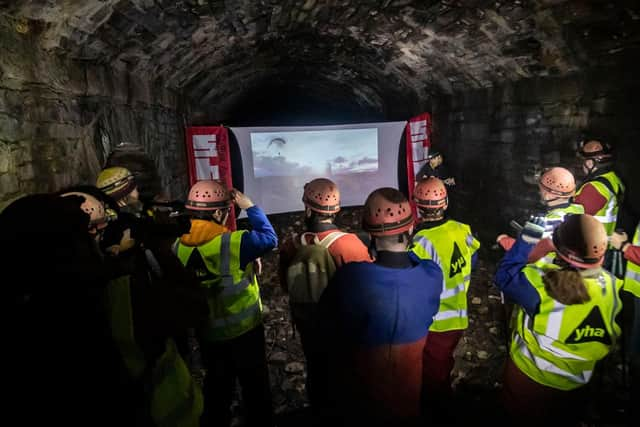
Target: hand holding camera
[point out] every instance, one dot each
(533, 230)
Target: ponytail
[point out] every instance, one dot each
(566, 286)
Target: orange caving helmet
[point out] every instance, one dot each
(559, 182)
(386, 213)
(594, 149)
(322, 195)
(208, 195)
(94, 208)
(581, 240)
(431, 193)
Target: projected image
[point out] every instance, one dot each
(314, 153)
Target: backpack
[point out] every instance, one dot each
(309, 272)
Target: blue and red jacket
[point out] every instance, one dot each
(511, 280)
(374, 320)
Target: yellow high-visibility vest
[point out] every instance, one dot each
(632, 276)
(559, 346)
(233, 294)
(608, 214)
(450, 245)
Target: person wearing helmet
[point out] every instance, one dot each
(321, 199)
(120, 184)
(602, 191)
(150, 301)
(98, 216)
(565, 321)
(374, 320)
(630, 249)
(63, 366)
(453, 247)
(435, 167)
(557, 187)
(631, 252)
(232, 343)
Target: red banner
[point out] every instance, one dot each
(418, 136)
(208, 158)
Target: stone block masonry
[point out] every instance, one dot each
(61, 118)
(493, 137)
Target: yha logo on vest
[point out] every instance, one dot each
(592, 328)
(457, 261)
(197, 265)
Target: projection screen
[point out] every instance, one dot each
(278, 161)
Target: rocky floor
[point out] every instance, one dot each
(479, 356)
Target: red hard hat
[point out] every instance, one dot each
(321, 195)
(581, 240)
(208, 195)
(558, 181)
(386, 213)
(431, 193)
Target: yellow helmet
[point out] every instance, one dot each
(116, 181)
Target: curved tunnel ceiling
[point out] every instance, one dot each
(376, 51)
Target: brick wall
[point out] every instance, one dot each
(492, 137)
(59, 119)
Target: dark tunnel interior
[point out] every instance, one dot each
(289, 104)
(511, 87)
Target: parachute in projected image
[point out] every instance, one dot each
(278, 161)
(276, 144)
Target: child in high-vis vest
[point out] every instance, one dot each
(308, 261)
(557, 186)
(630, 249)
(374, 321)
(602, 191)
(451, 245)
(566, 322)
(232, 342)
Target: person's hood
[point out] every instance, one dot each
(201, 232)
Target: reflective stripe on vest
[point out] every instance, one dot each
(176, 398)
(608, 214)
(580, 379)
(559, 346)
(233, 294)
(442, 244)
(120, 312)
(554, 218)
(632, 277)
(450, 314)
